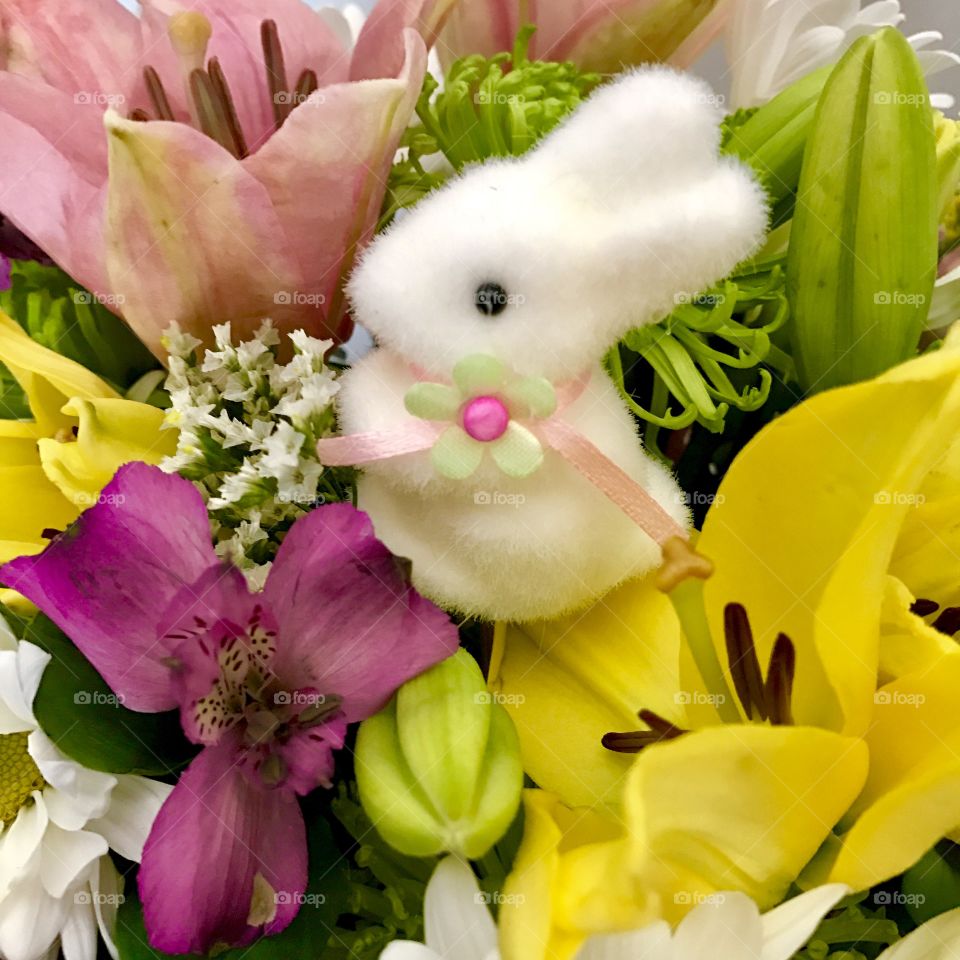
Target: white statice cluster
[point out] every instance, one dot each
(248, 426)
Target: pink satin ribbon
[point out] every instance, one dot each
(360, 448)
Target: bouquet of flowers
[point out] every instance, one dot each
(474, 491)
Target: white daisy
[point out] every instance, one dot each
(772, 43)
(59, 819)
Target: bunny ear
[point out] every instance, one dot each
(679, 240)
(650, 129)
(658, 214)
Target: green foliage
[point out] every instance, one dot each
(86, 720)
(697, 353)
(496, 107)
(854, 931)
(64, 317)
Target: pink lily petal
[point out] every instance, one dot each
(347, 613)
(601, 35)
(192, 237)
(225, 859)
(80, 46)
(54, 174)
(338, 145)
(307, 41)
(466, 31)
(109, 581)
(380, 50)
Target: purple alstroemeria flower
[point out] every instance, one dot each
(265, 682)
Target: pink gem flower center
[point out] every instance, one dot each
(486, 418)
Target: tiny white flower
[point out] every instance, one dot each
(177, 343)
(236, 486)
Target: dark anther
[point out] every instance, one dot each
(139, 116)
(923, 608)
(778, 689)
(158, 95)
(949, 621)
(306, 84)
(744, 665)
(219, 81)
(637, 740)
(50, 533)
(276, 72)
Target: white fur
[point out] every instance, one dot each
(595, 232)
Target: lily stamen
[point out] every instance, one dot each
(635, 741)
(158, 94)
(768, 699)
(276, 71)
(743, 661)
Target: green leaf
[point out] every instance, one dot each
(62, 316)
(81, 714)
(325, 899)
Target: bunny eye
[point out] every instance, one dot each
(490, 299)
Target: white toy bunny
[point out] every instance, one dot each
(496, 450)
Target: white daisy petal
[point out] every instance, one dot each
(651, 943)
(80, 794)
(20, 674)
(21, 842)
(937, 939)
(78, 936)
(408, 950)
(134, 805)
(65, 855)
(107, 887)
(726, 926)
(787, 928)
(771, 44)
(456, 919)
(30, 921)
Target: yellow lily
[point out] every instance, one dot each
(824, 532)
(54, 467)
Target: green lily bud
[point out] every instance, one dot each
(863, 247)
(439, 768)
(773, 138)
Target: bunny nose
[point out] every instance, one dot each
(486, 418)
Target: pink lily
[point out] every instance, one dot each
(241, 169)
(601, 35)
(266, 683)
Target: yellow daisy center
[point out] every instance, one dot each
(20, 775)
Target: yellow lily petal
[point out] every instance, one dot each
(567, 682)
(47, 378)
(808, 517)
(737, 807)
(912, 795)
(929, 545)
(111, 432)
(907, 642)
(528, 918)
(30, 504)
(18, 443)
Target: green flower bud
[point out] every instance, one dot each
(439, 768)
(863, 247)
(772, 139)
